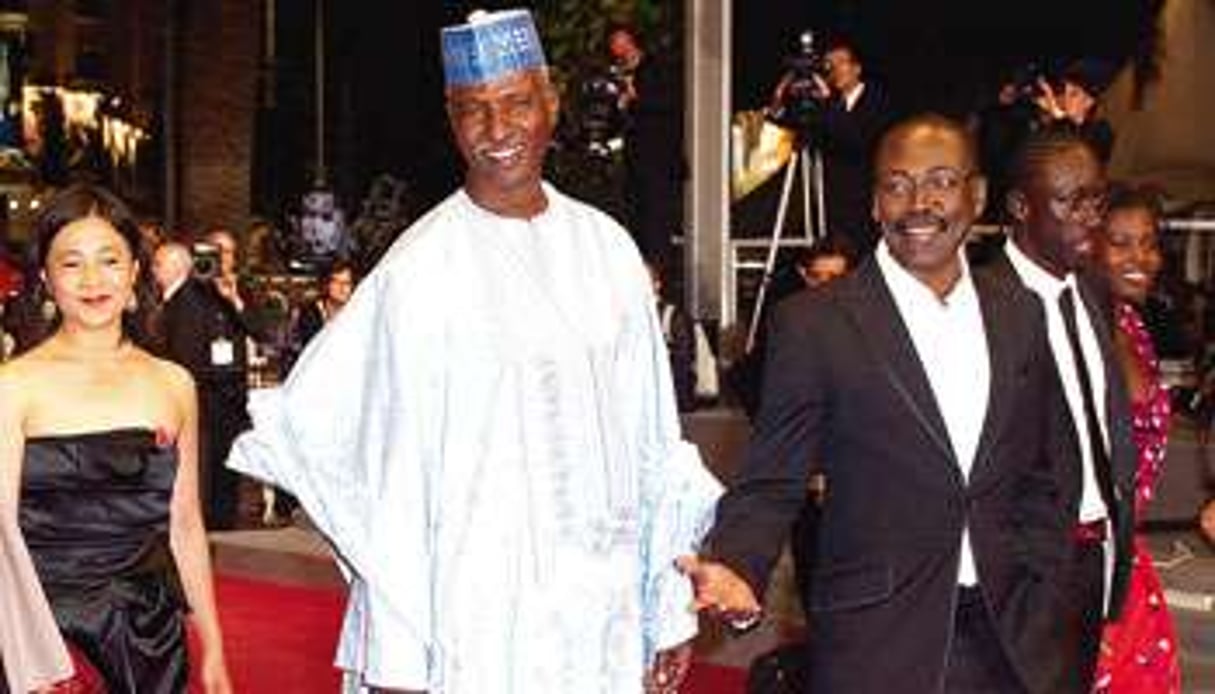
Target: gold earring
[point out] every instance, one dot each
(49, 309)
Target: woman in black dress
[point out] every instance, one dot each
(100, 440)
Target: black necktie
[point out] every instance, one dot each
(1101, 460)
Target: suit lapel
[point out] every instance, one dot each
(996, 306)
(877, 318)
(1117, 402)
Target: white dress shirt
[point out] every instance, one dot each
(951, 343)
(1048, 288)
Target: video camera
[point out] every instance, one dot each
(206, 260)
(799, 106)
(601, 117)
(1026, 81)
(807, 61)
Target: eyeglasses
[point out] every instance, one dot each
(1090, 201)
(940, 182)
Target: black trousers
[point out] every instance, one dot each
(1086, 593)
(977, 663)
(222, 416)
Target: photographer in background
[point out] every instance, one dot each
(1072, 99)
(1027, 99)
(654, 170)
(203, 327)
(852, 113)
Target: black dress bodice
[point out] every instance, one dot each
(94, 505)
(95, 514)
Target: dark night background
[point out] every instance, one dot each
(385, 86)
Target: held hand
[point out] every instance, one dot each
(719, 590)
(669, 670)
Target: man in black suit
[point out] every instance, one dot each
(206, 332)
(854, 115)
(926, 396)
(1056, 201)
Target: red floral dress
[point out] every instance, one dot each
(1139, 651)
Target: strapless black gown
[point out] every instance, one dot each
(95, 514)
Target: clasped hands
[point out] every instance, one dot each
(720, 592)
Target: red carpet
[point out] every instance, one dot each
(279, 639)
(715, 679)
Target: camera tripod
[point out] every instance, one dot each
(810, 163)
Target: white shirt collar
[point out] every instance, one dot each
(904, 284)
(172, 288)
(549, 195)
(853, 96)
(1044, 284)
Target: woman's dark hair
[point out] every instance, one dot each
(337, 267)
(1127, 196)
(79, 201)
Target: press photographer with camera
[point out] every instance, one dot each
(1031, 97)
(1072, 99)
(835, 110)
(651, 96)
(204, 328)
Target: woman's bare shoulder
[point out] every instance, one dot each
(171, 375)
(21, 379)
(19, 371)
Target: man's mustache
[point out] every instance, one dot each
(916, 220)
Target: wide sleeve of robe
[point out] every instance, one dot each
(679, 494)
(349, 435)
(33, 653)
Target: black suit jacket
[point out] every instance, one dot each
(192, 318)
(1123, 456)
(845, 387)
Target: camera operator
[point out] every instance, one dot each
(204, 328)
(852, 115)
(652, 99)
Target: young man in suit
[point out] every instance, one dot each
(927, 397)
(1056, 202)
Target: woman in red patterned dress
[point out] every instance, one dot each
(1139, 651)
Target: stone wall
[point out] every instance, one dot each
(220, 43)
